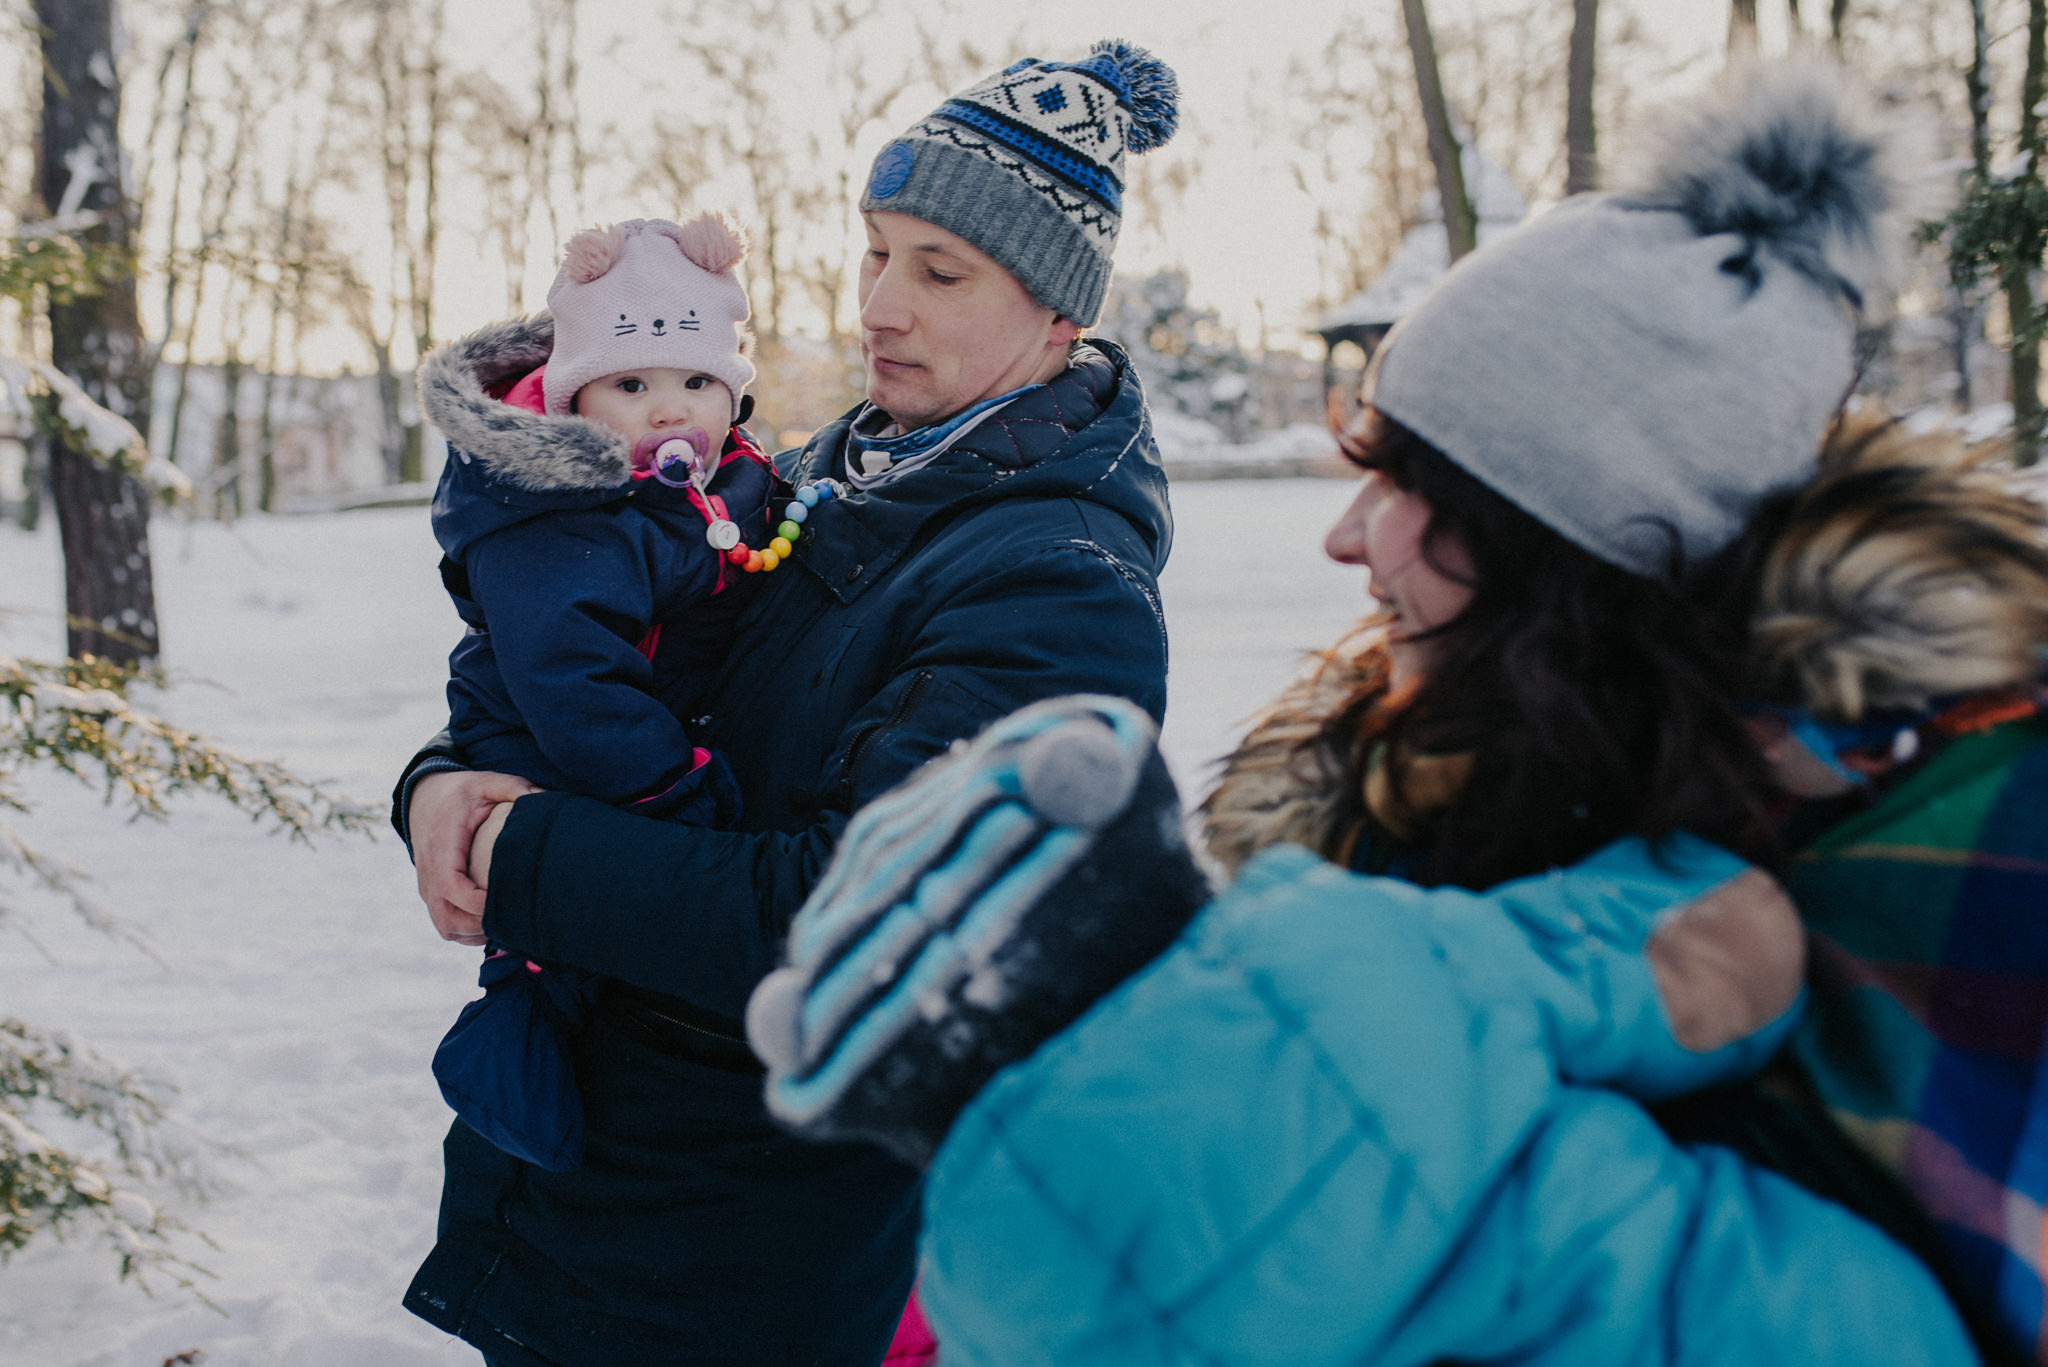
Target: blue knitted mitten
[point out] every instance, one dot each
(968, 916)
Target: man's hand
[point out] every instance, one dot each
(447, 818)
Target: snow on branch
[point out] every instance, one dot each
(81, 1137)
(38, 394)
(76, 716)
(46, 1186)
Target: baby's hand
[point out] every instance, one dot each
(480, 845)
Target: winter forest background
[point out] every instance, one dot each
(229, 228)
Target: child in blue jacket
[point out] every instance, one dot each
(595, 515)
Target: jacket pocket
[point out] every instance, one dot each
(865, 740)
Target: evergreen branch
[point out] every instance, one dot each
(76, 717)
(68, 882)
(45, 1187)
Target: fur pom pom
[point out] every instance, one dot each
(713, 241)
(1906, 572)
(1790, 158)
(592, 252)
(1152, 89)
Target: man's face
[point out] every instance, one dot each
(942, 326)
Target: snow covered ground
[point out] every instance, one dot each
(304, 991)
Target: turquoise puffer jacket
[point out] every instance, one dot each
(1349, 1120)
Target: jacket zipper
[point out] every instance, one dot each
(667, 1019)
(913, 694)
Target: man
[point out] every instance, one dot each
(994, 537)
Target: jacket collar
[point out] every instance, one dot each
(1067, 437)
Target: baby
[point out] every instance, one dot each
(596, 506)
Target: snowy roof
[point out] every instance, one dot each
(1425, 253)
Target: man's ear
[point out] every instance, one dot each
(1063, 333)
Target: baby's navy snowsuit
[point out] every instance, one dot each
(596, 612)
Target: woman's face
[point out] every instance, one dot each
(1383, 531)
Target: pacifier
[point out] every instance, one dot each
(677, 459)
(666, 455)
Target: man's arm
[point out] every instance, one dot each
(702, 913)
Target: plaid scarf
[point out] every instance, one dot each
(1928, 912)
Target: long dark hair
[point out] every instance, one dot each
(1592, 703)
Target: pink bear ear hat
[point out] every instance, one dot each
(645, 293)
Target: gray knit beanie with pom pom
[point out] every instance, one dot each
(1029, 167)
(1638, 370)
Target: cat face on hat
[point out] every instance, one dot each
(649, 292)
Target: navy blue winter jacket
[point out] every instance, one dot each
(1020, 565)
(560, 563)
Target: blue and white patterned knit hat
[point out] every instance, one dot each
(1028, 166)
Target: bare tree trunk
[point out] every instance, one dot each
(34, 474)
(1838, 14)
(266, 434)
(1741, 27)
(195, 22)
(1977, 80)
(572, 121)
(1964, 311)
(174, 430)
(102, 514)
(227, 439)
(1461, 223)
(1582, 160)
(423, 259)
(2018, 276)
(1963, 320)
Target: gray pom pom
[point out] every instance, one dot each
(1788, 158)
(1077, 773)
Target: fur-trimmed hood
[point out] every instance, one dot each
(1908, 572)
(507, 463)
(1284, 784)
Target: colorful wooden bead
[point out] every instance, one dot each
(789, 531)
(771, 557)
(796, 512)
(780, 546)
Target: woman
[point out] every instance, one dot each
(1387, 1118)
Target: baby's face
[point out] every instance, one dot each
(634, 403)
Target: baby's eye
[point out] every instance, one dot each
(632, 384)
(696, 382)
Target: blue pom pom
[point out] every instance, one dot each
(1150, 87)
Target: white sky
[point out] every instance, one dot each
(1241, 230)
